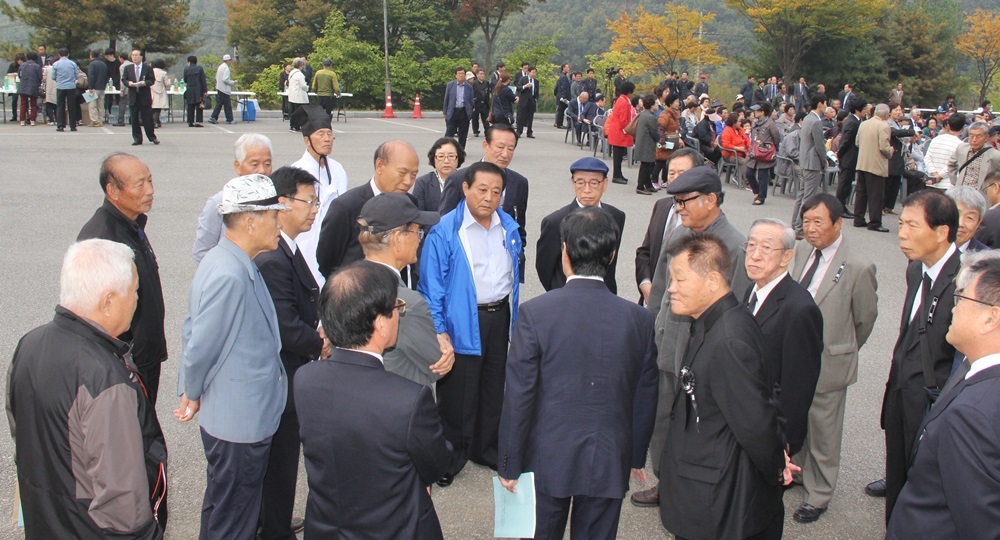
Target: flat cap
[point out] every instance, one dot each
(702, 179)
(250, 193)
(589, 164)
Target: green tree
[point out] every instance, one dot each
(267, 31)
(488, 16)
(429, 25)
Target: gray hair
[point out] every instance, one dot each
(92, 268)
(984, 264)
(376, 242)
(882, 111)
(968, 197)
(298, 63)
(980, 126)
(248, 141)
(787, 233)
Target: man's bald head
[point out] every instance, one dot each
(584, 96)
(396, 166)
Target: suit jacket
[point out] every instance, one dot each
(874, 148)
(812, 144)
(581, 392)
(231, 349)
(515, 200)
(975, 245)
(848, 151)
(989, 161)
(801, 95)
(848, 299)
(989, 230)
(450, 94)
(562, 89)
(792, 326)
(909, 359)
(141, 96)
(196, 85)
(548, 251)
(416, 346)
(296, 301)
(648, 253)
(721, 466)
(952, 483)
(575, 110)
(368, 470)
(427, 191)
(338, 237)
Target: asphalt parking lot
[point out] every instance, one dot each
(50, 188)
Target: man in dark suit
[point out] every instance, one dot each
(847, 153)
(498, 149)
(812, 157)
(527, 92)
(723, 460)
(802, 94)
(661, 223)
(296, 301)
(562, 93)
(922, 358)
(790, 321)
(396, 167)
(368, 470)
(459, 99)
(846, 96)
(195, 92)
(952, 485)
(989, 230)
(548, 424)
(590, 179)
(139, 78)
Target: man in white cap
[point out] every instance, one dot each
(230, 366)
(224, 87)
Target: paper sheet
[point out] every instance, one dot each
(514, 515)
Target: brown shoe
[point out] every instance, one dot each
(97, 124)
(647, 497)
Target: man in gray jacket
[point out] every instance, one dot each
(812, 157)
(224, 85)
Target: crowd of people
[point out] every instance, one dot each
(381, 330)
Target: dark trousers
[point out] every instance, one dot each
(892, 186)
(560, 113)
(525, 115)
(195, 113)
(14, 107)
(759, 180)
(233, 491)
(279, 481)
(902, 413)
(480, 115)
(286, 109)
(470, 396)
(150, 375)
(774, 530)
(145, 114)
(50, 112)
(845, 179)
(645, 180)
(109, 104)
(594, 518)
(66, 100)
(868, 196)
(660, 171)
(329, 103)
(223, 100)
(617, 156)
(458, 126)
(292, 124)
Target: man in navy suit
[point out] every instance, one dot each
(951, 489)
(581, 389)
(790, 321)
(372, 440)
(296, 301)
(230, 365)
(589, 177)
(458, 101)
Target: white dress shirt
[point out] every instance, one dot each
(762, 292)
(983, 363)
(331, 182)
(291, 242)
(486, 250)
(824, 264)
(933, 273)
(369, 353)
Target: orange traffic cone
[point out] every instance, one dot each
(388, 107)
(416, 108)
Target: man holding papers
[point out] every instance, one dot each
(581, 389)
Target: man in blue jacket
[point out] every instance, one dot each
(469, 275)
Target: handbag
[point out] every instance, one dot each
(630, 128)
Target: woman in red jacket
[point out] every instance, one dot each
(621, 115)
(736, 139)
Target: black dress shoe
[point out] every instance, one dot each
(298, 524)
(877, 228)
(876, 488)
(446, 480)
(860, 224)
(118, 124)
(136, 143)
(190, 125)
(60, 129)
(620, 180)
(848, 214)
(808, 513)
(197, 124)
(531, 136)
(155, 141)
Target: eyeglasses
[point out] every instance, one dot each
(766, 251)
(400, 306)
(314, 203)
(680, 203)
(960, 296)
(449, 157)
(418, 232)
(592, 184)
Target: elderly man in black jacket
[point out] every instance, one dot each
(97, 80)
(128, 196)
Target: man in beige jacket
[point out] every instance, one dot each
(874, 152)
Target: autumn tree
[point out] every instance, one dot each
(980, 43)
(661, 42)
(788, 30)
(488, 16)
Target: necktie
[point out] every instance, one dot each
(752, 304)
(957, 377)
(925, 293)
(807, 278)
